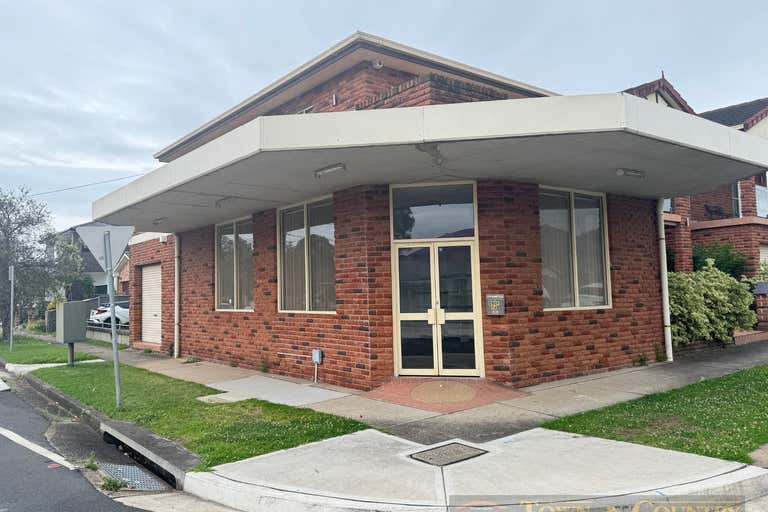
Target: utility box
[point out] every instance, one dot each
(71, 320)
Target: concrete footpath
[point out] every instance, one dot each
(490, 454)
(370, 470)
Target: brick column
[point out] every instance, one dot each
(748, 198)
(679, 235)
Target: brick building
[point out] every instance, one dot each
(411, 215)
(734, 213)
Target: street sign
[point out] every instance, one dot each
(107, 244)
(93, 236)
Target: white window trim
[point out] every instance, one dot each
(738, 197)
(304, 204)
(574, 257)
(216, 300)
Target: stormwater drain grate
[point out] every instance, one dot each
(448, 454)
(133, 476)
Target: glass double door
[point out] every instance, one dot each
(437, 316)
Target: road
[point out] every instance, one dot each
(27, 484)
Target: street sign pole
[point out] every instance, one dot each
(113, 322)
(11, 278)
(103, 241)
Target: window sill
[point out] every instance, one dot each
(235, 310)
(579, 308)
(301, 312)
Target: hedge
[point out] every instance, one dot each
(708, 305)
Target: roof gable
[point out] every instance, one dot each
(663, 87)
(360, 47)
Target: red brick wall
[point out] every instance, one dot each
(748, 197)
(720, 197)
(149, 253)
(529, 345)
(526, 346)
(362, 87)
(678, 236)
(284, 341)
(350, 87)
(744, 238)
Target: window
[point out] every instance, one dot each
(440, 211)
(668, 205)
(736, 199)
(234, 265)
(573, 249)
(307, 248)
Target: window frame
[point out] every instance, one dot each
(307, 291)
(236, 287)
(574, 255)
(425, 184)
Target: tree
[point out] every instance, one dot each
(43, 262)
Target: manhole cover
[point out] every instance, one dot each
(448, 454)
(133, 476)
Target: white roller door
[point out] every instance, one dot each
(151, 304)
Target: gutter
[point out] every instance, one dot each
(664, 281)
(176, 292)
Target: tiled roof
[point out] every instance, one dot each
(737, 114)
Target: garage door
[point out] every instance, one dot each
(151, 320)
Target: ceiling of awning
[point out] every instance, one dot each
(219, 186)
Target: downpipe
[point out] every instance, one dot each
(176, 292)
(664, 282)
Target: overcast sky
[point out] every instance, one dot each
(90, 90)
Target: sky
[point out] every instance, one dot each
(89, 90)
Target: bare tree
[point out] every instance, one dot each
(43, 262)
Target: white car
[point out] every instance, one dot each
(101, 315)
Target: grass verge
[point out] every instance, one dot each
(105, 344)
(725, 417)
(28, 350)
(218, 433)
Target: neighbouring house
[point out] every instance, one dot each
(122, 274)
(91, 267)
(410, 215)
(734, 213)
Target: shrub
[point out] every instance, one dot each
(36, 326)
(726, 259)
(708, 305)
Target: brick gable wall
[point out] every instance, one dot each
(362, 87)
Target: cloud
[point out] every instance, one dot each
(89, 90)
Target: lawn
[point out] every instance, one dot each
(726, 417)
(105, 344)
(28, 350)
(218, 433)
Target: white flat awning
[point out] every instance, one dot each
(567, 141)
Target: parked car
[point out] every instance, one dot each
(101, 316)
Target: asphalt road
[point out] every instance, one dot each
(27, 484)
